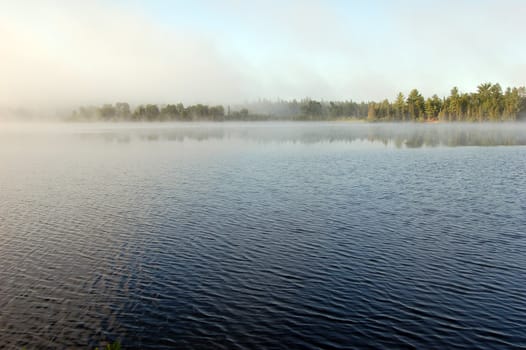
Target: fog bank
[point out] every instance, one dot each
(59, 54)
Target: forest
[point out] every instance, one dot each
(488, 103)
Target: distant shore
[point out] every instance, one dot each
(489, 103)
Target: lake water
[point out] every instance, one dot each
(263, 236)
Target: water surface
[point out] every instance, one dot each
(256, 236)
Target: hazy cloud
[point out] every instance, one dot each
(74, 52)
(91, 53)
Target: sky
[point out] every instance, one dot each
(61, 53)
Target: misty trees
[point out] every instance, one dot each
(204, 112)
(107, 112)
(346, 109)
(171, 112)
(149, 112)
(312, 109)
(335, 109)
(122, 110)
(488, 103)
(217, 113)
(371, 113)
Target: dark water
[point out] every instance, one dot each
(252, 236)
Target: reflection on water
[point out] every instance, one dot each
(398, 135)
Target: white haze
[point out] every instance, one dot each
(78, 53)
(69, 53)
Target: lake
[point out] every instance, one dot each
(263, 236)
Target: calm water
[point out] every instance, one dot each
(253, 236)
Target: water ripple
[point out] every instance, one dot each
(225, 243)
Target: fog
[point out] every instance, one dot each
(62, 54)
(388, 135)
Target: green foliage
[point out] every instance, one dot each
(400, 107)
(488, 103)
(415, 105)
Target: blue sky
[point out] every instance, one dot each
(233, 51)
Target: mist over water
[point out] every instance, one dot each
(263, 235)
(399, 135)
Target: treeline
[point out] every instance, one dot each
(488, 103)
(121, 111)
